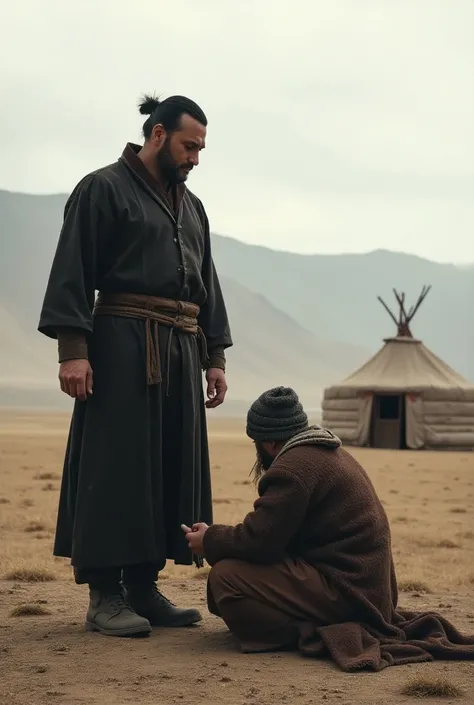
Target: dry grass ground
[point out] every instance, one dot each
(45, 656)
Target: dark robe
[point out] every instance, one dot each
(137, 459)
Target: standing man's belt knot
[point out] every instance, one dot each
(155, 311)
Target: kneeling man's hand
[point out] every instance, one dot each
(195, 537)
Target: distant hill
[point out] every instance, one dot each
(23, 360)
(271, 347)
(28, 368)
(29, 229)
(335, 296)
(301, 320)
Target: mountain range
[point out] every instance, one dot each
(302, 320)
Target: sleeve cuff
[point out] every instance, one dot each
(210, 554)
(72, 345)
(217, 359)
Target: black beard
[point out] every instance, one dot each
(167, 167)
(263, 462)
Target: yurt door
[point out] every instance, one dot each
(388, 421)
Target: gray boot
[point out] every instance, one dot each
(111, 615)
(147, 601)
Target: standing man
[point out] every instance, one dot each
(137, 459)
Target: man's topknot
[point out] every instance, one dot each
(148, 104)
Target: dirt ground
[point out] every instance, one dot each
(48, 658)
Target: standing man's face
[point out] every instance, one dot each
(178, 152)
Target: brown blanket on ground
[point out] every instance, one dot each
(421, 636)
(317, 503)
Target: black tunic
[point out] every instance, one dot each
(137, 459)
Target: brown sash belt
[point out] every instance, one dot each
(155, 311)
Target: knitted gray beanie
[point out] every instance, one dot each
(277, 415)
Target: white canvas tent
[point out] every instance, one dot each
(403, 397)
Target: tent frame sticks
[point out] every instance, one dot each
(404, 318)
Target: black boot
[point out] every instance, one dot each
(147, 601)
(110, 614)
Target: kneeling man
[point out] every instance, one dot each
(311, 566)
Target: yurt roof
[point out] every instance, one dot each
(404, 364)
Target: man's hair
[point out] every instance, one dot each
(168, 112)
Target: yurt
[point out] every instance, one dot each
(403, 397)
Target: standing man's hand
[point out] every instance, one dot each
(75, 377)
(216, 387)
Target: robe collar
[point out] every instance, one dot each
(172, 197)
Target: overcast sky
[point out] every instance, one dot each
(334, 125)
